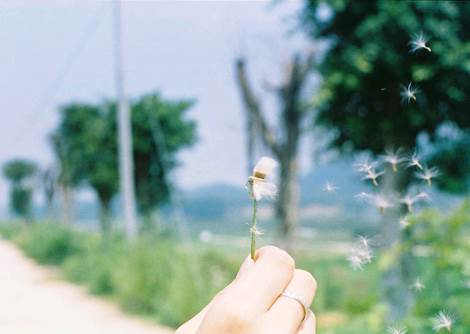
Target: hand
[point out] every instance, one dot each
(252, 303)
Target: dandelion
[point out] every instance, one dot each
(361, 254)
(418, 43)
(396, 330)
(427, 174)
(418, 286)
(394, 158)
(443, 321)
(404, 223)
(413, 161)
(365, 166)
(259, 187)
(373, 176)
(382, 202)
(330, 187)
(408, 93)
(409, 200)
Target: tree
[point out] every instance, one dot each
(365, 68)
(49, 183)
(20, 172)
(87, 152)
(160, 129)
(285, 146)
(86, 145)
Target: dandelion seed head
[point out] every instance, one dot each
(414, 161)
(408, 93)
(330, 187)
(258, 184)
(443, 321)
(396, 330)
(428, 174)
(418, 43)
(418, 286)
(373, 176)
(404, 222)
(394, 158)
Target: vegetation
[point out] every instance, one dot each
(86, 148)
(19, 173)
(347, 302)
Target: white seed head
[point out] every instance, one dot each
(414, 161)
(418, 43)
(418, 286)
(404, 223)
(258, 184)
(330, 187)
(373, 176)
(408, 93)
(443, 321)
(427, 174)
(396, 330)
(394, 158)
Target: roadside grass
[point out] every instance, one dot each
(162, 277)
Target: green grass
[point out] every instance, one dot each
(160, 276)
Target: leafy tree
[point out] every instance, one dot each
(19, 172)
(364, 69)
(160, 129)
(87, 151)
(87, 139)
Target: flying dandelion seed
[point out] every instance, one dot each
(418, 43)
(396, 330)
(427, 174)
(443, 321)
(394, 158)
(408, 93)
(409, 200)
(414, 161)
(418, 286)
(382, 202)
(330, 187)
(404, 223)
(259, 187)
(373, 176)
(365, 166)
(361, 253)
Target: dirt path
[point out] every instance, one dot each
(34, 301)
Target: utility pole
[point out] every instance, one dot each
(126, 165)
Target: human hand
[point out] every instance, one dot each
(253, 303)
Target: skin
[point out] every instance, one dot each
(251, 304)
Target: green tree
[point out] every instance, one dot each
(87, 151)
(364, 69)
(86, 145)
(20, 172)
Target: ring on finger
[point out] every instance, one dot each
(299, 300)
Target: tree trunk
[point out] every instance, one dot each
(66, 205)
(397, 276)
(105, 222)
(287, 205)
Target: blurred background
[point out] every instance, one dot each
(129, 129)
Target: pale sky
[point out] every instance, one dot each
(58, 51)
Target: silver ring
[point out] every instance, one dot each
(298, 299)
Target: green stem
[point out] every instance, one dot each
(253, 230)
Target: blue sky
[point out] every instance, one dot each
(58, 51)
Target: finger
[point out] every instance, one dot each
(260, 285)
(308, 325)
(192, 325)
(288, 313)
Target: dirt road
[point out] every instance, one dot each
(34, 301)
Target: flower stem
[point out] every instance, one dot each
(253, 229)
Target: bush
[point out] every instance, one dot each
(51, 243)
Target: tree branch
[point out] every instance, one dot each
(253, 109)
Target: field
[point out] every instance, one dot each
(168, 279)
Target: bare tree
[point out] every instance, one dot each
(284, 145)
